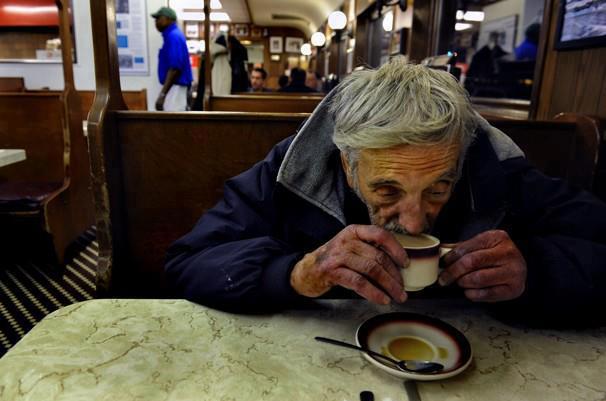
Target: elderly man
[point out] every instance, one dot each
(396, 150)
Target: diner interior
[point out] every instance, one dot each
(96, 183)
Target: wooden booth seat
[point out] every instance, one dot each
(173, 167)
(50, 190)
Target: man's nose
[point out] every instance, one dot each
(412, 216)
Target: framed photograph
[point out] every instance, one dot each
(256, 32)
(241, 30)
(502, 30)
(293, 45)
(581, 24)
(191, 30)
(275, 44)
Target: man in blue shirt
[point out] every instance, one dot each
(527, 50)
(174, 70)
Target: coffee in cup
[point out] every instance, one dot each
(424, 253)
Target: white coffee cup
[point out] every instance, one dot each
(424, 253)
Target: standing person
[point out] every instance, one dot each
(174, 70)
(237, 61)
(257, 80)
(221, 72)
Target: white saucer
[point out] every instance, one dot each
(452, 348)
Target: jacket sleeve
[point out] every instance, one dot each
(232, 259)
(562, 234)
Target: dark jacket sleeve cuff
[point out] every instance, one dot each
(275, 282)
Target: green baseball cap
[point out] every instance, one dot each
(165, 11)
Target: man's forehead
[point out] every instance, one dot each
(413, 153)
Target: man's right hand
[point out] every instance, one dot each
(160, 101)
(365, 259)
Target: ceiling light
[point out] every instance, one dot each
(223, 27)
(474, 16)
(306, 49)
(461, 26)
(30, 10)
(388, 21)
(318, 39)
(337, 20)
(460, 14)
(219, 16)
(215, 5)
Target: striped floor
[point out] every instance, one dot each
(28, 291)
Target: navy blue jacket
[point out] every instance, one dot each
(241, 253)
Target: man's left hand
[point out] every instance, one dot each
(489, 267)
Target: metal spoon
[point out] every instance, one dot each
(404, 365)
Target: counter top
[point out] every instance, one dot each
(177, 350)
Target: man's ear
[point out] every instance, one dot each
(347, 170)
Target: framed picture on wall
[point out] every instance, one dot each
(581, 24)
(293, 45)
(241, 30)
(275, 44)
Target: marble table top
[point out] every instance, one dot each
(177, 350)
(10, 156)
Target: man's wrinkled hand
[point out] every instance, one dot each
(365, 259)
(489, 267)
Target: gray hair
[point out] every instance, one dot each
(401, 103)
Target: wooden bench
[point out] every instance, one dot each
(51, 188)
(12, 84)
(271, 103)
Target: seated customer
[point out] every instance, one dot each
(527, 50)
(313, 80)
(396, 150)
(297, 82)
(257, 80)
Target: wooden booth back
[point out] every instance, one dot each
(173, 170)
(33, 121)
(174, 166)
(271, 103)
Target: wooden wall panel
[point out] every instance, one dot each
(573, 80)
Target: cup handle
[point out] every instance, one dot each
(445, 248)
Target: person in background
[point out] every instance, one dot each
(257, 80)
(221, 75)
(297, 82)
(174, 69)
(282, 82)
(238, 58)
(527, 50)
(313, 80)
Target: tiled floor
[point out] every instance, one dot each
(29, 291)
